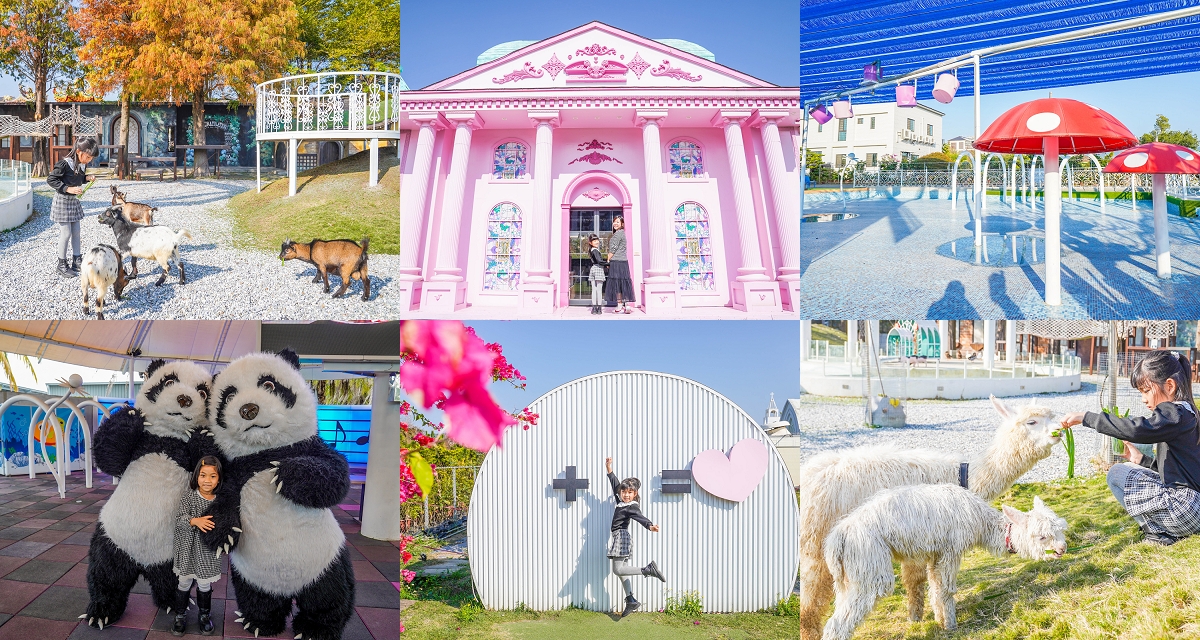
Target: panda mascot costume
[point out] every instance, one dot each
(272, 510)
(152, 447)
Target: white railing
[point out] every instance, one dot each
(330, 101)
(831, 360)
(15, 178)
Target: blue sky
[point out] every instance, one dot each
(1134, 102)
(441, 39)
(745, 361)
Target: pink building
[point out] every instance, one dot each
(507, 167)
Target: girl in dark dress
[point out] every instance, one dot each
(626, 494)
(193, 559)
(618, 290)
(67, 179)
(596, 272)
(1160, 492)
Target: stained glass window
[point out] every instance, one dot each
(693, 248)
(503, 249)
(686, 159)
(509, 161)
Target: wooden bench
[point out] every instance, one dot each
(147, 170)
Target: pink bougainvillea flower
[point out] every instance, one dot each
(473, 419)
(407, 575)
(408, 484)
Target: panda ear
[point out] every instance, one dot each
(291, 357)
(155, 365)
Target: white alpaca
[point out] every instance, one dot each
(833, 484)
(930, 524)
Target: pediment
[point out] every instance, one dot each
(597, 55)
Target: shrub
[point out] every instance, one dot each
(687, 604)
(789, 606)
(468, 611)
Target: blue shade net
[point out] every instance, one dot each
(838, 38)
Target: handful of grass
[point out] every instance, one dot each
(85, 188)
(1068, 439)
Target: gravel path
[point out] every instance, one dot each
(224, 282)
(963, 425)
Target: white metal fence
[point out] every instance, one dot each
(15, 178)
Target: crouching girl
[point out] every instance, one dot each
(1160, 492)
(194, 560)
(621, 548)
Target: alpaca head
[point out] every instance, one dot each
(1038, 533)
(1031, 427)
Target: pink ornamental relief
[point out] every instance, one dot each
(595, 157)
(596, 193)
(554, 66)
(596, 50)
(528, 71)
(665, 69)
(638, 66)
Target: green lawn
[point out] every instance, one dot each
(446, 609)
(1109, 585)
(331, 202)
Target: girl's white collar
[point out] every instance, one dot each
(626, 504)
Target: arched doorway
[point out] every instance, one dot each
(134, 145)
(590, 204)
(330, 152)
(281, 151)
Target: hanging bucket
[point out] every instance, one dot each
(820, 114)
(906, 95)
(842, 110)
(944, 88)
(871, 73)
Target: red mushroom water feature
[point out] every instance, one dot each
(1047, 126)
(1158, 159)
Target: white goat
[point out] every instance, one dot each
(929, 524)
(155, 242)
(834, 483)
(101, 269)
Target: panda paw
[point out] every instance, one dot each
(97, 617)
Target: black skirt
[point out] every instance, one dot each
(618, 282)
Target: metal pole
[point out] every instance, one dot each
(980, 190)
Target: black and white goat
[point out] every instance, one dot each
(154, 242)
(102, 269)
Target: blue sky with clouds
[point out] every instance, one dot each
(441, 39)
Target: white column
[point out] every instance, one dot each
(989, 343)
(944, 337)
(445, 290)
(754, 289)
(852, 342)
(787, 205)
(292, 144)
(412, 206)
(1053, 222)
(538, 286)
(1010, 341)
(373, 179)
(380, 509)
(980, 188)
(659, 290)
(873, 341)
(805, 338)
(257, 166)
(1162, 240)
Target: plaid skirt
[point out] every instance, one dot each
(596, 273)
(621, 545)
(66, 208)
(1169, 511)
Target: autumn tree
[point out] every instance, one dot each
(210, 48)
(111, 41)
(349, 35)
(37, 46)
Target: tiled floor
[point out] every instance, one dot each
(43, 571)
(894, 260)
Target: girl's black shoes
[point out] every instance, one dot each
(76, 262)
(204, 601)
(181, 607)
(631, 605)
(652, 571)
(64, 269)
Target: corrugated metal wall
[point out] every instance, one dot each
(527, 544)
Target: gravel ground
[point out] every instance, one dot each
(963, 425)
(224, 282)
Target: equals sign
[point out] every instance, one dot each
(677, 481)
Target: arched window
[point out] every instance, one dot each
(687, 161)
(503, 249)
(135, 135)
(693, 248)
(509, 161)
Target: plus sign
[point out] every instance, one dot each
(571, 484)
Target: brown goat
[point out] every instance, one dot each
(134, 211)
(344, 257)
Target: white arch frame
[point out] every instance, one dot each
(1033, 180)
(1100, 173)
(1024, 179)
(954, 177)
(62, 466)
(987, 163)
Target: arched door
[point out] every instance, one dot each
(330, 152)
(584, 223)
(134, 145)
(281, 155)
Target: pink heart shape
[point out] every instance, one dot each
(437, 297)
(734, 477)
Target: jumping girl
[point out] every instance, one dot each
(1160, 492)
(596, 273)
(194, 560)
(67, 180)
(626, 494)
(619, 290)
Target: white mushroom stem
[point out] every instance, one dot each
(1162, 239)
(1053, 222)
